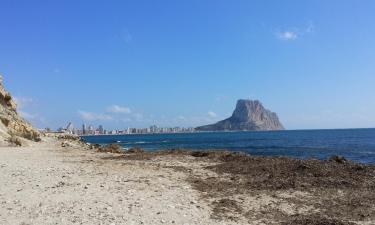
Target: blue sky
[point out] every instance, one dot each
(167, 62)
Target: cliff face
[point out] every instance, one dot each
(12, 126)
(248, 115)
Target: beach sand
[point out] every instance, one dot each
(50, 184)
(47, 184)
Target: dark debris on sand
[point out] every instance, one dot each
(315, 220)
(285, 173)
(342, 190)
(111, 148)
(226, 208)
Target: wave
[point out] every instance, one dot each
(141, 142)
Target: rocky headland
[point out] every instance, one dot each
(248, 116)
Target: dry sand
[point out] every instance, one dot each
(50, 184)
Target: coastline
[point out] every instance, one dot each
(48, 184)
(357, 145)
(231, 131)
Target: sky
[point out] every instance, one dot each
(185, 63)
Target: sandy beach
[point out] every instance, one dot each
(47, 184)
(50, 184)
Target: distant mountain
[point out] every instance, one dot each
(248, 115)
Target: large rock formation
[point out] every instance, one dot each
(13, 128)
(248, 115)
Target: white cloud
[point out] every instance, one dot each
(27, 115)
(287, 35)
(24, 106)
(181, 118)
(23, 102)
(118, 109)
(291, 34)
(90, 116)
(36, 119)
(212, 114)
(222, 98)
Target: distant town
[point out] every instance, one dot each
(100, 130)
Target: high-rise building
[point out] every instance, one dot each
(84, 129)
(91, 129)
(101, 129)
(154, 129)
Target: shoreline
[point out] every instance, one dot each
(48, 183)
(235, 131)
(356, 145)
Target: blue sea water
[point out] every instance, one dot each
(354, 144)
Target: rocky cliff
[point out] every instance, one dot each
(13, 128)
(248, 115)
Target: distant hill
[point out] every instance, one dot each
(248, 115)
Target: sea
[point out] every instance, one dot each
(354, 144)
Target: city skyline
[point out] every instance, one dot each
(100, 130)
(187, 63)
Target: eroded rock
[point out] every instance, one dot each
(13, 126)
